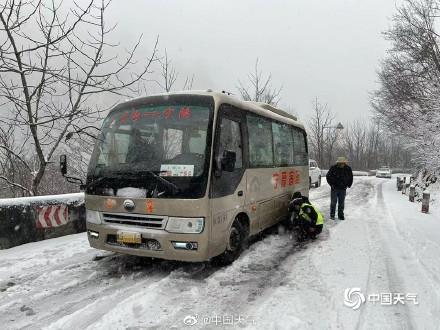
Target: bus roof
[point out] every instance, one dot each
(259, 108)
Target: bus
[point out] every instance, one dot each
(191, 176)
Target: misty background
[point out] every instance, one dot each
(327, 62)
(325, 49)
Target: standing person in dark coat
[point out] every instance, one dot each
(339, 177)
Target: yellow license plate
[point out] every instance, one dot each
(129, 237)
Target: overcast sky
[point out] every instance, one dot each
(328, 49)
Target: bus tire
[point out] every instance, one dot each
(236, 243)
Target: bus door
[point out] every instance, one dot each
(228, 183)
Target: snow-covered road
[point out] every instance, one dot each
(385, 246)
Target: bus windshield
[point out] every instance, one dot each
(161, 149)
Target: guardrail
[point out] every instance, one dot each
(410, 189)
(31, 219)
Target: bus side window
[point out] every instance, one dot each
(282, 144)
(230, 139)
(260, 142)
(299, 147)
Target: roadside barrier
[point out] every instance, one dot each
(31, 219)
(399, 183)
(425, 201)
(404, 186)
(410, 188)
(52, 216)
(412, 193)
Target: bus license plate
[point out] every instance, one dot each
(129, 237)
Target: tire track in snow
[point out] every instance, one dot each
(57, 291)
(231, 290)
(408, 260)
(382, 274)
(259, 269)
(264, 267)
(117, 280)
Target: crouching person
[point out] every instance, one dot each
(305, 217)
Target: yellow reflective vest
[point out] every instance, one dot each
(302, 213)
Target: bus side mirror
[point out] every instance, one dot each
(228, 160)
(63, 164)
(63, 169)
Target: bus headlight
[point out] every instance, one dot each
(185, 225)
(93, 217)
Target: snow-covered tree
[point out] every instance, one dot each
(408, 99)
(55, 64)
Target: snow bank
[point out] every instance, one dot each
(355, 173)
(69, 199)
(130, 192)
(361, 173)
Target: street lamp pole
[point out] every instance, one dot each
(339, 127)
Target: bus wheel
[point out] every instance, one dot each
(236, 241)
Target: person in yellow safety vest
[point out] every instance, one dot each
(306, 217)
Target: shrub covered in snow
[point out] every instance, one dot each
(428, 180)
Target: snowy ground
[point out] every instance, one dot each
(385, 246)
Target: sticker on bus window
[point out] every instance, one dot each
(176, 170)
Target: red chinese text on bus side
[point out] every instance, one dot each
(287, 178)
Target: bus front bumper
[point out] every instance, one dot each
(156, 243)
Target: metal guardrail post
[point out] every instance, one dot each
(404, 186)
(425, 201)
(412, 193)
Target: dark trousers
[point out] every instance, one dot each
(337, 196)
(305, 228)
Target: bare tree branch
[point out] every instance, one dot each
(261, 88)
(51, 77)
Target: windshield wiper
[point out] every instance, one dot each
(92, 183)
(174, 188)
(98, 180)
